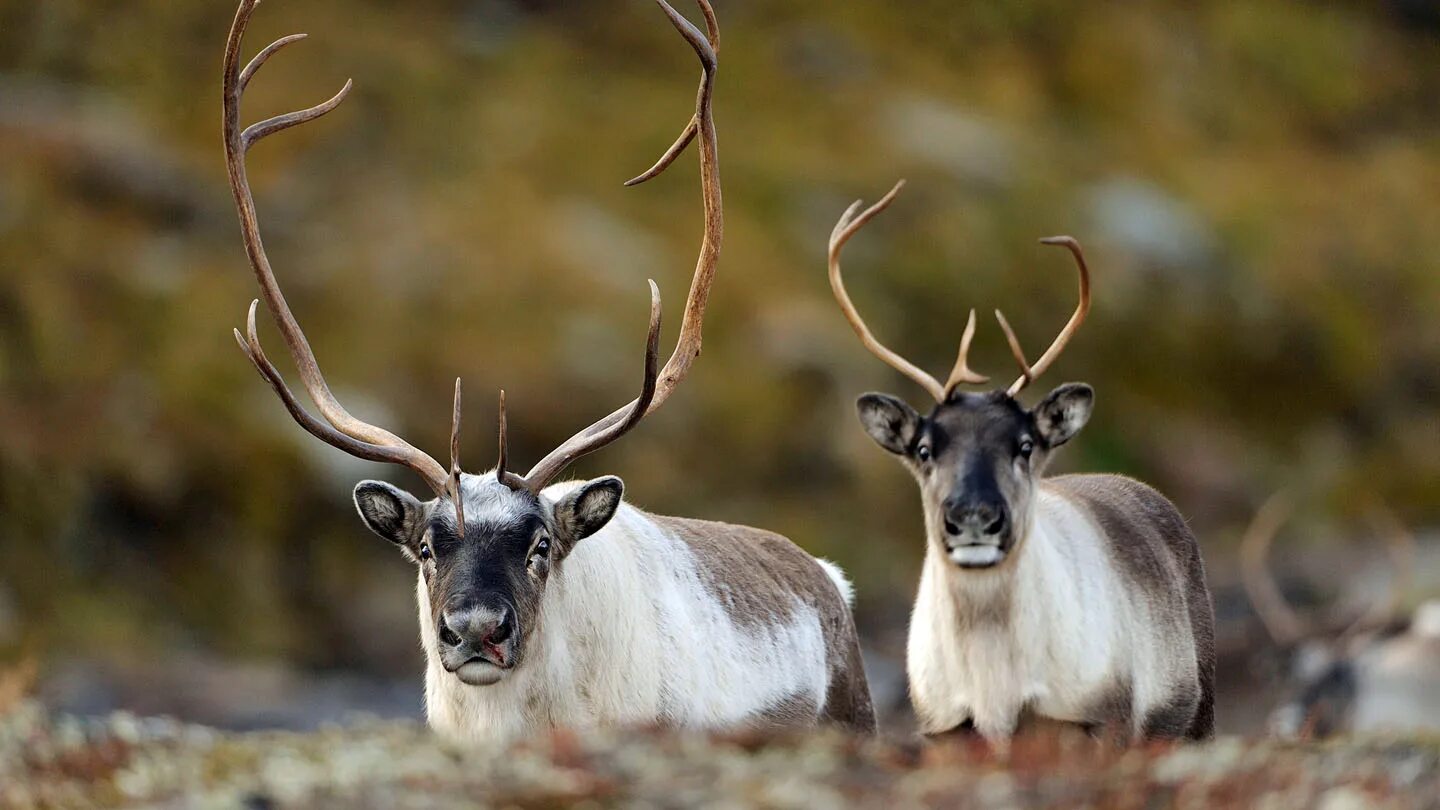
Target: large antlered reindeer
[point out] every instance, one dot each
(1367, 671)
(558, 604)
(1079, 598)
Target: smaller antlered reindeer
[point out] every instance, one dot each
(1079, 598)
(545, 603)
(1358, 673)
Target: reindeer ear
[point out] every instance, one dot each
(1064, 412)
(589, 507)
(388, 511)
(891, 422)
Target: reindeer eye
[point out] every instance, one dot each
(425, 552)
(1026, 448)
(541, 552)
(923, 452)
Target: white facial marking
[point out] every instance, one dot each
(489, 501)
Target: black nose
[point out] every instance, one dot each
(476, 627)
(984, 517)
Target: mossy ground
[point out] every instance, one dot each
(49, 761)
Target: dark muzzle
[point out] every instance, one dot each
(478, 642)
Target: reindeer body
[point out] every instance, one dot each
(1083, 623)
(1385, 681)
(1375, 672)
(657, 620)
(1079, 599)
(1398, 687)
(546, 605)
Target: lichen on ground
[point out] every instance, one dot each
(59, 761)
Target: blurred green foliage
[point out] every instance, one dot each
(1257, 184)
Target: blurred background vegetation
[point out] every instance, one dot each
(1257, 184)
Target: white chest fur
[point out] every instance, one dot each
(629, 634)
(1051, 631)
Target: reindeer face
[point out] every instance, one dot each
(484, 586)
(1323, 686)
(976, 458)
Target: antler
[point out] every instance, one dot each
(553, 464)
(1028, 373)
(850, 223)
(847, 227)
(368, 441)
(502, 472)
(1400, 543)
(343, 430)
(687, 346)
(1280, 619)
(712, 33)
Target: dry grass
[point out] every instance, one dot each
(50, 762)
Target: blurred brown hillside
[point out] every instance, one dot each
(1257, 185)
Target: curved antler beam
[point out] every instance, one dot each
(688, 344)
(850, 223)
(344, 431)
(1028, 373)
(550, 467)
(250, 345)
(1280, 619)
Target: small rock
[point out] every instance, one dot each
(1153, 224)
(972, 148)
(1345, 798)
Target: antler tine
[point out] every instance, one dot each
(1029, 373)
(687, 346)
(250, 344)
(712, 26)
(676, 150)
(456, 495)
(1280, 619)
(961, 373)
(504, 451)
(345, 431)
(543, 473)
(502, 472)
(255, 132)
(263, 56)
(850, 223)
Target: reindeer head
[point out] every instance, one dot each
(1320, 651)
(484, 585)
(487, 547)
(975, 456)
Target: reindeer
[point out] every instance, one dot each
(1358, 673)
(545, 604)
(1079, 598)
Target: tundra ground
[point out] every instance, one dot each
(59, 761)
